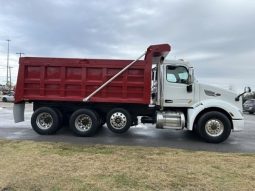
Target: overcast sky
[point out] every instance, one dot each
(216, 36)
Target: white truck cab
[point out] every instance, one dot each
(184, 103)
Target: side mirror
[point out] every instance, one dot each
(191, 75)
(190, 80)
(247, 89)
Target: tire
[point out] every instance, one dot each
(118, 120)
(211, 120)
(45, 121)
(100, 121)
(84, 122)
(60, 117)
(4, 99)
(103, 120)
(251, 112)
(196, 131)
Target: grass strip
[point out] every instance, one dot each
(28, 165)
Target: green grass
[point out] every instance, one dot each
(27, 165)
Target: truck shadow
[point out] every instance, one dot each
(138, 135)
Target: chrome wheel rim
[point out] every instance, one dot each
(44, 121)
(118, 120)
(83, 123)
(214, 127)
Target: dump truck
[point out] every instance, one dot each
(87, 93)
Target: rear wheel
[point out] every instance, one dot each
(60, 117)
(214, 127)
(84, 122)
(103, 120)
(45, 121)
(118, 120)
(251, 112)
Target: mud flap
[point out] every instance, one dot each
(18, 112)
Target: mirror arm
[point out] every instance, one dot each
(238, 97)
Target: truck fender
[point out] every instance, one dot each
(197, 108)
(18, 112)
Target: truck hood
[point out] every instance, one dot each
(212, 92)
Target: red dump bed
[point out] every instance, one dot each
(65, 79)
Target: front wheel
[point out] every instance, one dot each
(214, 127)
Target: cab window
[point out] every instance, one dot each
(177, 74)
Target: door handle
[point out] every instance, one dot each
(168, 101)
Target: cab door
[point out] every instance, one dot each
(175, 82)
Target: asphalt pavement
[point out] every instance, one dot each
(141, 135)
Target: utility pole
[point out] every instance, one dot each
(8, 49)
(20, 53)
(10, 77)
